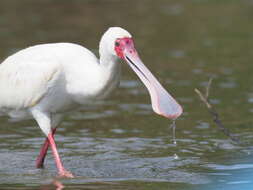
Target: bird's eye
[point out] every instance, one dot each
(117, 44)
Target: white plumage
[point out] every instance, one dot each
(44, 81)
(52, 78)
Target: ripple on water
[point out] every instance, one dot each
(177, 53)
(202, 125)
(140, 109)
(174, 9)
(229, 167)
(239, 182)
(228, 84)
(93, 115)
(129, 84)
(197, 71)
(151, 169)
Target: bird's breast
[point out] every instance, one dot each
(93, 83)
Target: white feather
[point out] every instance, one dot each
(44, 80)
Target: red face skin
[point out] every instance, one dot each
(124, 44)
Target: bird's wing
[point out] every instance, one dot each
(24, 83)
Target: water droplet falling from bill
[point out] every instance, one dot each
(173, 127)
(174, 140)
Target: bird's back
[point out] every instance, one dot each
(59, 52)
(33, 73)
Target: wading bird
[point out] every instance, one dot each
(44, 81)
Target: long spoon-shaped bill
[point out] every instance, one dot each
(162, 102)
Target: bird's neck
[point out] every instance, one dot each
(110, 72)
(107, 60)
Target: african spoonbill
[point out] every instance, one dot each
(44, 81)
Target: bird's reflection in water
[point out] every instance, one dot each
(87, 183)
(54, 185)
(58, 185)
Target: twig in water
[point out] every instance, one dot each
(214, 113)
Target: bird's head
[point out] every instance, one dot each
(111, 40)
(119, 43)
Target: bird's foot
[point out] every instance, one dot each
(65, 174)
(39, 164)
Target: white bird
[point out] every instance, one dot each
(44, 81)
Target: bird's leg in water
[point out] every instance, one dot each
(43, 152)
(61, 170)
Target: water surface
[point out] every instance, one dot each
(120, 143)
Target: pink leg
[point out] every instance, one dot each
(43, 152)
(61, 170)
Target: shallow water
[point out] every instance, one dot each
(120, 143)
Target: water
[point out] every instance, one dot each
(120, 143)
